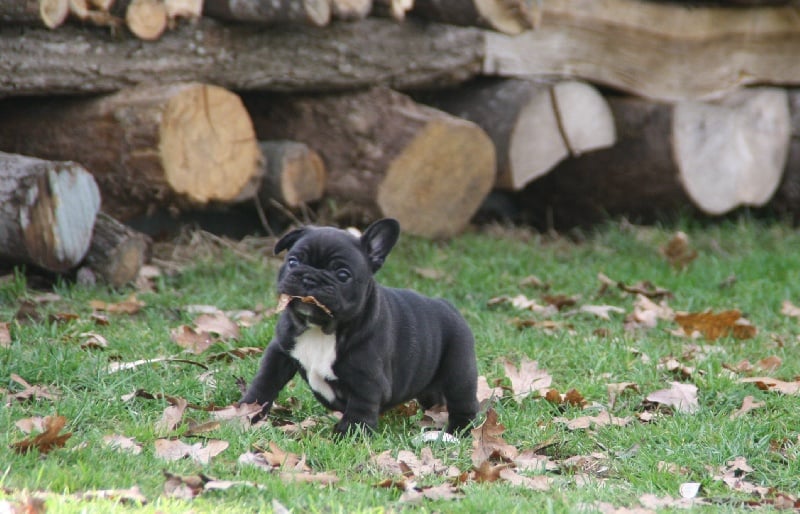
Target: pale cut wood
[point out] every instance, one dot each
(395, 9)
(661, 51)
(47, 210)
(95, 13)
(294, 174)
(345, 56)
(732, 152)
(533, 125)
(316, 13)
(507, 16)
(117, 252)
(187, 9)
(146, 19)
(50, 13)
(389, 156)
(168, 146)
(350, 10)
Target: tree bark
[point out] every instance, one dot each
(389, 156)
(294, 174)
(507, 16)
(712, 157)
(148, 146)
(79, 60)
(47, 210)
(117, 252)
(49, 13)
(661, 51)
(316, 13)
(533, 125)
(787, 198)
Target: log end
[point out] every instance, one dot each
(208, 145)
(435, 186)
(146, 19)
(584, 116)
(53, 12)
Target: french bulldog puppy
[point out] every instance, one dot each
(361, 347)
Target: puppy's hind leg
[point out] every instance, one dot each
(460, 387)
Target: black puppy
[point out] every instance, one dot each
(363, 348)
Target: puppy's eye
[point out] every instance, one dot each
(291, 262)
(343, 275)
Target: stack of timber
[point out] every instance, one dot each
(416, 109)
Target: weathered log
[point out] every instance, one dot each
(117, 252)
(787, 199)
(146, 19)
(47, 210)
(713, 157)
(395, 9)
(343, 56)
(316, 13)
(294, 174)
(388, 155)
(50, 13)
(507, 16)
(96, 12)
(350, 10)
(533, 125)
(661, 51)
(188, 9)
(147, 146)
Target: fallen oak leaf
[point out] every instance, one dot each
(487, 393)
(713, 326)
(31, 391)
(789, 309)
(601, 311)
(748, 404)
(122, 443)
(130, 305)
(436, 493)
(218, 324)
(616, 389)
(174, 449)
(602, 419)
(190, 339)
(773, 384)
(172, 416)
(47, 440)
(488, 443)
(681, 397)
(524, 303)
(678, 251)
(32, 424)
(93, 341)
(526, 379)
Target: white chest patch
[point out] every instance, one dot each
(316, 353)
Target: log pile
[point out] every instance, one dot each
(415, 109)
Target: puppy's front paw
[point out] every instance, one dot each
(346, 428)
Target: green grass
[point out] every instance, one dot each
(764, 257)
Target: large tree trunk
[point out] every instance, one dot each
(294, 174)
(388, 155)
(342, 56)
(148, 146)
(316, 13)
(50, 13)
(117, 252)
(787, 198)
(507, 16)
(660, 51)
(47, 210)
(713, 156)
(533, 125)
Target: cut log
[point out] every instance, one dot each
(50, 13)
(294, 174)
(148, 146)
(395, 9)
(350, 10)
(146, 19)
(117, 252)
(507, 16)
(712, 157)
(787, 199)
(188, 9)
(533, 125)
(661, 51)
(47, 210)
(389, 156)
(96, 13)
(345, 56)
(316, 13)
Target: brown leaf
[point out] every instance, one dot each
(773, 384)
(123, 496)
(408, 464)
(47, 440)
(130, 305)
(26, 505)
(5, 335)
(490, 472)
(789, 309)
(488, 443)
(32, 391)
(614, 390)
(681, 397)
(534, 282)
(713, 326)
(218, 324)
(93, 341)
(646, 313)
(560, 301)
(601, 311)
(678, 251)
(173, 449)
(770, 363)
(123, 444)
(438, 492)
(733, 475)
(171, 417)
(748, 404)
(184, 487)
(645, 288)
(193, 341)
(651, 501)
(432, 274)
(674, 366)
(602, 419)
(437, 416)
(32, 424)
(527, 379)
(524, 303)
(487, 393)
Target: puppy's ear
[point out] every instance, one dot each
(289, 240)
(378, 240)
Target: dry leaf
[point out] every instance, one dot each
(123, 496)
(560, 301)
(408, 464)
(5, 335)
(131, 305)
(31, 391)
(614, 390)
(218, 324)
(770, 363)
(32, 424)
(789, 309)
(93, 340)
(488, 443)
(646, 313)
(243, 352)
(602, 419)
(123, 444)
(674, 366)
(678, 251)
(645, 288)
(184, 487)
(522, 302)
(530, 460)
(527, 379)
(431, 274)
(534, 282)
(171, 417)
(47, 440)
(748, 404)
(681, 397)
(173, 449)
(773, 384)
(487, 393)
(437, 416)
(734, 477)
(192, 340)
(26, 505)
(601, 311)
(713, 326)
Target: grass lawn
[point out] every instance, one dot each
(747, 265)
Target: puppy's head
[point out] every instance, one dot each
(334, 268)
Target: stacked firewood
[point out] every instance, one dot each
(576, 109)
